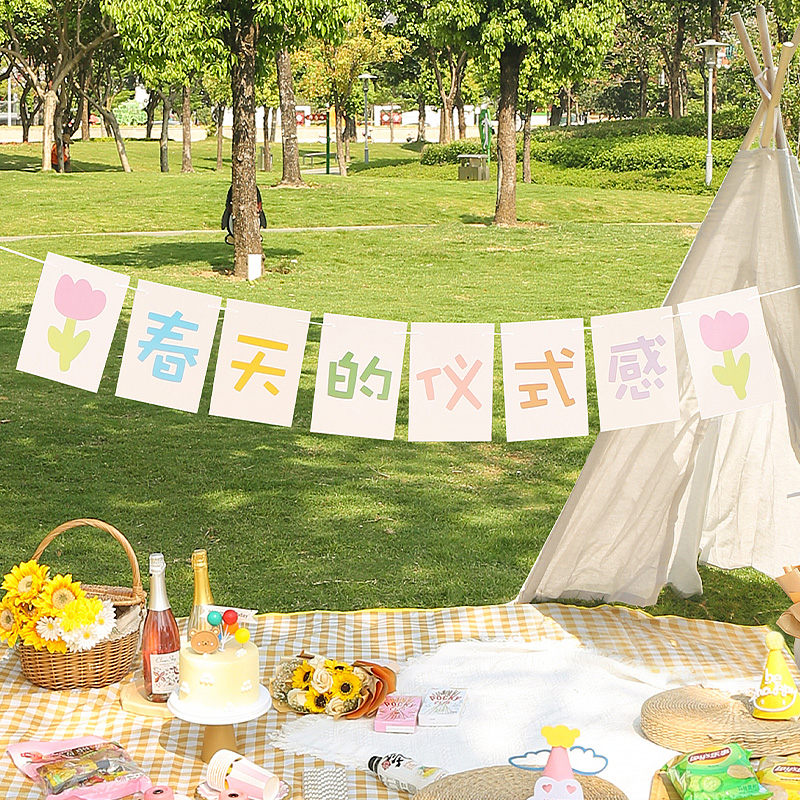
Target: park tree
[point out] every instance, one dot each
(47, 40)
(504, 34)
(331, 70)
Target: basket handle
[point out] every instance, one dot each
(103, 526)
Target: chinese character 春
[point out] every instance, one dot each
(461, 384)
(626, 367)
(249, 368)
(351, 373)
(554, 368)
(169, 367)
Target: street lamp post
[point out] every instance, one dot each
(366, 78)
(709, 48)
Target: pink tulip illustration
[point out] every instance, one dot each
(76, 300)
(723, 333)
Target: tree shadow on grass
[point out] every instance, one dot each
(476, 219)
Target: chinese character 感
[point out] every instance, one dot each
(625, 366)
(249, 368)
(169, 367)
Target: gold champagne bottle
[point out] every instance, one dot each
(202, 594)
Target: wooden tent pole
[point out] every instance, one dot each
(769, 77)
(750, 55)
(752, 131)
(787, 51)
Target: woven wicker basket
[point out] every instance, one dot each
(110, 660)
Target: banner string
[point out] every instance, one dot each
(22, 255)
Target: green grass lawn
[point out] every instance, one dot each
(294, 520)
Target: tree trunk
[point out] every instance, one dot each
(150, 112)
(672, 58)
(291, 152)
(246, 228)
(718, 10)
(58, 134)
(557, 111)
(644, 79)
(506, 207)
(26, 116)
(462, 117)
(186, 126)
(49, 109)
(220, 116)
(111, 122)
(421, 120)
(163, 143)
(391, 123)
(265, 132)
(86, 133)
(341, 156)
(526, 142)
(273, 123)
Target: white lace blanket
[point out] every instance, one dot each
(513, 690)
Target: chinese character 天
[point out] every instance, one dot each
(171, 358)
(635, 365)
(249, 368)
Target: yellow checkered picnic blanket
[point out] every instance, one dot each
(168, 749)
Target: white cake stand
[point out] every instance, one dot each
(218, 733)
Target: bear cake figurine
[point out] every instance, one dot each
(558, 781)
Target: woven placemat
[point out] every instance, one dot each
(508, 783)
(693, 718)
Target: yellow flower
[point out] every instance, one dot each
(81, 611)
(301, 677)
(316, 702)
(336, 666)
(24, 581)
(57, 593)
(31, 634)
(346, 685)
(9, 623)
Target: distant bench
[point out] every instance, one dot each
(311, 156)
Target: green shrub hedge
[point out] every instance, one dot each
(449, 153)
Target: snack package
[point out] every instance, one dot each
(781, 775)
(88, 768)
(720, 773)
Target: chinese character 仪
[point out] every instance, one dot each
(169, 367)
(461, 384)
(554, 368)
(249, 368)
(349, 378)
(630, 371)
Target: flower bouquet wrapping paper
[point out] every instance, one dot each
(313, 684)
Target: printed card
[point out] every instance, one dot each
(168, 346)
(450, 382)
(259, 362)
(442, 708)
(729, 352)
(358, 376)
(397, 714)
(544, 379)
(72, 322)
(635, 369)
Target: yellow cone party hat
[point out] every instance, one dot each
(777, 697)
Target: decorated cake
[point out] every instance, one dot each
(219, 668)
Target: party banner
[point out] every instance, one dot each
(450, 382)
(635, 370)
(72, 322)
(358, 376)
(729, 353)
(259, 362)
(168, 346)
(544, 379)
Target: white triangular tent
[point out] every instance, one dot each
(650, 500)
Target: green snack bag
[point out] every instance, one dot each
(720, 773)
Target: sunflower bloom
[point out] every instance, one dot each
(57, 593)
(9, 624)
(301, 676)
(346, 685)
(79, 612)
(316, 702)
(25, 581)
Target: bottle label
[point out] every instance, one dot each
(164, 671)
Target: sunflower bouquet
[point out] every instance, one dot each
(51, 613)
(312, 684)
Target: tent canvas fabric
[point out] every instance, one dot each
(651, 499)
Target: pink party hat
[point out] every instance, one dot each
(560, 739)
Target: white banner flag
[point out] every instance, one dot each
(635, 370)
(358, 376)
(450, 382)
(729, 352)
(259, 362)
(544, 379)
(72, 322)
(168, 346)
